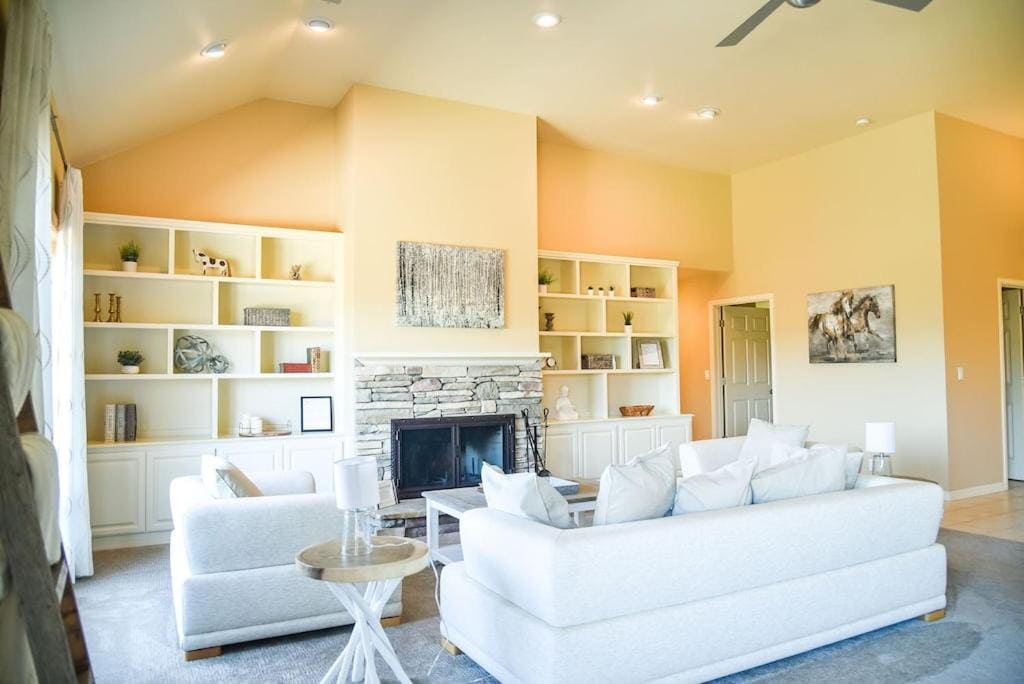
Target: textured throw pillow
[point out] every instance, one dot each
(761, 436)
(817, 470)
(223, 480)
(640, 490)
(527, 496)
(726, 487)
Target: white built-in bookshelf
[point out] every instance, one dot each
(593, 324)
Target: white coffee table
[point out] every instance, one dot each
(392, 559)
(455, 502)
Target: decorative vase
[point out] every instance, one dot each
(628, 329)
(129, 266)
(549, 322)
(542, 289)
(130, 370)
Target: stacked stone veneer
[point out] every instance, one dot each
(414, 391)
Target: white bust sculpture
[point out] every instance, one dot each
(564, 410)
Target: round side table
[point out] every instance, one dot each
(391, 559)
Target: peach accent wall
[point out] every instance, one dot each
(862, 211)
(696, 289)
(263, 163)
(981, 201)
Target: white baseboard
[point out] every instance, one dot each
(129, 541)
(980, 490)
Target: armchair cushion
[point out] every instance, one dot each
(224, 480)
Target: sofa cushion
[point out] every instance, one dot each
(723, 488)
(223, 480)
(639, 490)
(800, 472)
(762, 435)
(527, 496)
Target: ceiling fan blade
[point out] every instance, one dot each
(913, 5)
(750, 24)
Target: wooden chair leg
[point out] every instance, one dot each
(201, 653)
(451, 648)
(934, 615)
(391, 621)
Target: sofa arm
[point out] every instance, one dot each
(221, 535)
(706, 455)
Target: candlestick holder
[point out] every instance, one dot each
(97, 309)
(118, 319)
(110, 308)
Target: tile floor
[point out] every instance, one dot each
(995, 515)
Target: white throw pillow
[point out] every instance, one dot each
(640, 490)
(761, 436)
(817, 470)
(527, 496)
(726, 487)
(223, 480)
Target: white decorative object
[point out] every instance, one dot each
(525, 495)
(255, 425)
(221, 267)
(627, 329)
(245, 424)
(355, 494)
(130, 370)
(880, 442)
(129, 266)
(444, 286)
(295, 273)
(727, 487)
(639, 490)
(590, 291)
(564, 410)
(542, 289)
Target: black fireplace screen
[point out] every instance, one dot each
(443, 453)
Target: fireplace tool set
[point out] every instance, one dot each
(533, 443)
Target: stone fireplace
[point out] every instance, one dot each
(413, 388)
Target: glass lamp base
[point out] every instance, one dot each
(881, 464)
(355, 532)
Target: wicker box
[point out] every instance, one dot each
(262, 316)
(643, 292)
(597, 362)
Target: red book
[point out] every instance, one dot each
(296, 368)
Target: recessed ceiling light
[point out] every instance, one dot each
(214, 49)
(708, 112)
(319, 24)
(863, 121)
(547, 19)
(650, 100)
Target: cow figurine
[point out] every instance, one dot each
(221, 266)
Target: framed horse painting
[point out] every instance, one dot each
(852, 326)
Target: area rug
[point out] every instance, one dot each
(129, 627)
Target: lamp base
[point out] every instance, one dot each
(355, 532)
(881, 464)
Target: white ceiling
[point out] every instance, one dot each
(127, 71)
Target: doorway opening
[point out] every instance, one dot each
(1012, 324)
(742, 374)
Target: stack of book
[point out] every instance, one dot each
(120, 423)
(314, 363)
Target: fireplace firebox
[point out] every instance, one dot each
(443, 453)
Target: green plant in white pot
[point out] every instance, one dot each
(130, 361)
(130, 256)
(627, 322)
(544, 278)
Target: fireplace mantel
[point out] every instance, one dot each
(447, 358)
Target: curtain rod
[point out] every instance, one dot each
(60, 143)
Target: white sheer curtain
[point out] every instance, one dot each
(69, 379)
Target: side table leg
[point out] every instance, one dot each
(370, 616)
(433, 529)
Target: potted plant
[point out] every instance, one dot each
(627, 322)
(544, 278)
(611, 290)
(130, 256)
(130, 360)
(590, 290)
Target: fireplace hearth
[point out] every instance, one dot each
(448, 452)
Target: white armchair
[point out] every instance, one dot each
(233, 563)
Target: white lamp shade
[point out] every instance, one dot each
(880, 438)
(355, 483)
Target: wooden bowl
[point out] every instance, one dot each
(637, 410)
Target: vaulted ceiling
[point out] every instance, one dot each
(126, 72)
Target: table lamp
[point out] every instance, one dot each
(355, 493)
(880, 441)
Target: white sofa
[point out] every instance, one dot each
(693, 597)
(705, 455)
(233, 562)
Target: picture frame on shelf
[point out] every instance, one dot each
(316, 414)
(648, 353)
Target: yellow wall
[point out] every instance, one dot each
(263, 163)
(430, 170)
(859, 212)
(981, 200)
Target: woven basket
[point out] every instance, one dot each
(636, 410)
(261, 316)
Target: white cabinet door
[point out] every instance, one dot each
(316, 457)
(162, 466)
(257, 456)
(597, 450)
(560, 456)
(117, 484)
(635, 440)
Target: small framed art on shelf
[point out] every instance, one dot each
(316, 414)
